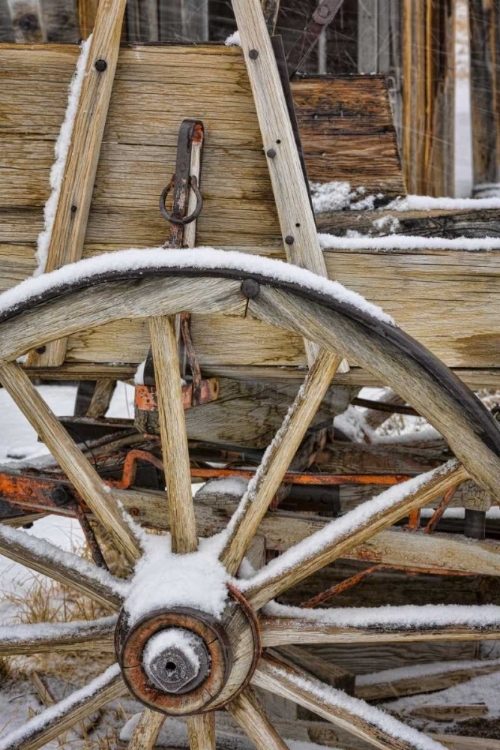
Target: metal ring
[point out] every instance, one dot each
(199, 203)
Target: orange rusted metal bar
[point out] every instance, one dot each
(355, 579)
(306, 478)
(438, 513)
(414, 520)
(130, 468)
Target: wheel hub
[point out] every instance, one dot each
(174, 660)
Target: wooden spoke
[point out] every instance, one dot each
(277, 459)
(342, 535)
(175, 450)
(68, 569)
(250, 715)
(87, 482)
(355, 716)
(201, 731)
(147, 730)
(283, 630)
(96, 635)
(59, 718)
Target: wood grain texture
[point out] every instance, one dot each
(282, 631)
(418, 288)
(147, 730)
(277, 677)
(21, 552)
(282, 530)
(73, 206)
(94, 636)
(174, 443)
(272, 584)
(425, 683)
(278, 458)
(39, 734)
(201, 731)
(250, 715)
(72, 461)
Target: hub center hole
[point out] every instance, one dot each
(170, 666)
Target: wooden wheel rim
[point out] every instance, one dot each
(384, 350)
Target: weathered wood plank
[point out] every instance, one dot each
(72, 210)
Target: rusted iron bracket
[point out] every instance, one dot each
(196, 390)
(322, 17)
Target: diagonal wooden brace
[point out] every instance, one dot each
(70, 224)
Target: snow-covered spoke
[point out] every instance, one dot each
(283, 625)
(201, 731)
(355, 716)
(277, 459)
(64, 567)
(62, 716)
(347, 532)
(250, 715)
(147, 730)
(70, 458)
(95, 635)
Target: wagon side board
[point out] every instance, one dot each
(448, 300)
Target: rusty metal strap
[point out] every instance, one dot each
(322, 17)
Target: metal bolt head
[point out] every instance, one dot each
(253, 54)
(289, 239)
(271, 153)
(100, 65)
(250, 288)
(59, 495)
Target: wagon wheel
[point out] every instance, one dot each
(192, 635)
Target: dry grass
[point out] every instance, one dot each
(47, 601)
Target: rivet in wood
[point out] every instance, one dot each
(271, 153)
(74, 209)
(289, 239)
(100, 65)
(253, 54)
(41, 350)
(250, 288)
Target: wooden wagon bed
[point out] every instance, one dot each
(447, 299)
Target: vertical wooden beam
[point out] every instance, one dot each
(27, 23)
(428, 96)
(6, 28)
(60, 22)
(368, 37)
(484, 20)
(295, 213)
(70, 223)
(87, 11)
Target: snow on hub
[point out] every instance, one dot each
(183, 661)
